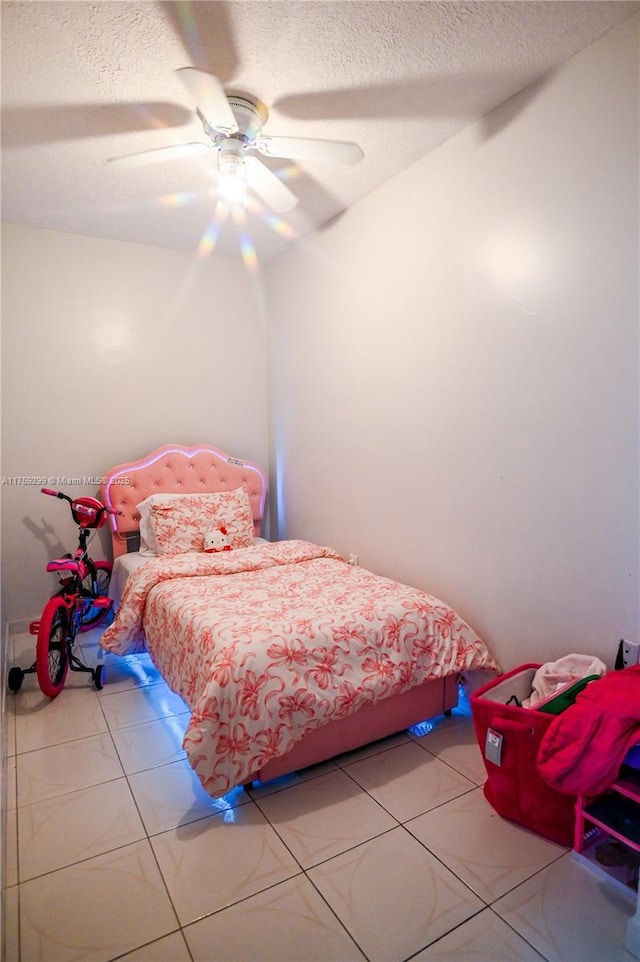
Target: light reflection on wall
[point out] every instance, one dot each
(281, 514)
(514, 262)
(114, 337)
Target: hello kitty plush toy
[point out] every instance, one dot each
(217, 540)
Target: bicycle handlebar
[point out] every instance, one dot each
(79, 508)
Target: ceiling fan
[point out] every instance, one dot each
(233, 123)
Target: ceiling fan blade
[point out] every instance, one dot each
(302, 148)
(207, 93)
(268, 186)
(159, 155)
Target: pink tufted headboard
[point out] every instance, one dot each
(175, 469)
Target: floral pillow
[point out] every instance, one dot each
(181, 526)
(148, 546)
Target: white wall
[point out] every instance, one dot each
(454, 368)
(110, 350)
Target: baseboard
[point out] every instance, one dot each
(632, 943)
(4, 660)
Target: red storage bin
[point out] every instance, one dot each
(510, 735)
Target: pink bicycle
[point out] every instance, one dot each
(80, 603)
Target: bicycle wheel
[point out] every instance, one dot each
(93, 616)
(52, 653)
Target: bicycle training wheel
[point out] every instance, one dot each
(93, 616)
(52, 652)
(15, 678)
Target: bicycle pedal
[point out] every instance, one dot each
(101, 602)
(34, 627)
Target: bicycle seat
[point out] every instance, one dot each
(65, 564)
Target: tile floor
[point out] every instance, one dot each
(385, 854)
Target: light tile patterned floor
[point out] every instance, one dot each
(387, 854)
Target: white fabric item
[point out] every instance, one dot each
(554, 675)
(123, 566)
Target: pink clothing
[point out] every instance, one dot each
(584, 747)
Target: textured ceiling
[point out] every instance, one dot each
(86, 81)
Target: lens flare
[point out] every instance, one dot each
(247, 247)
(190, 31)
(249, 255)
(208, 240)
(178, 199)
(278, 225)
(210, 237)
(290, 172)
(271, 219)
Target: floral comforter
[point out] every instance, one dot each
(267, 643)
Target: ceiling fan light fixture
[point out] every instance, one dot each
(232, 174)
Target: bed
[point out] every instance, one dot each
(285, 654)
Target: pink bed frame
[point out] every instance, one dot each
(203, 469)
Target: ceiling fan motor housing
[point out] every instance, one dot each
(250, 114)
